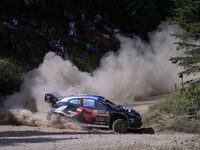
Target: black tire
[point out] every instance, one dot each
(120, 126)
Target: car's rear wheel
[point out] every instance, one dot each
(120, 126)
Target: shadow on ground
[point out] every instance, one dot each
(142, 131)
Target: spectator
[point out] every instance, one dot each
(97, 43)
(116, 30)
(83, 16)
(51, 30)
(59, 42)
(71, 32)
(93, 45)
(32, 23)
(99, 18)
(51, 44)
(107, 29)
(65, 13)
(4, 22)
(63, 51)
(23, 21)
(93, 24)
(72, 25)
(15, 22)
(72, 17)
(88, 46)
(13, 42)
(36, 23)
(44, 26)
(57, 51)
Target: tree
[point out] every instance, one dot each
(187, 16)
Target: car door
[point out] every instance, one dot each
(101, 113)
(86, 114)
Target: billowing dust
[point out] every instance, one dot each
(137, 69)
(26, 117)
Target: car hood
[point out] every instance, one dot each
(125, 109)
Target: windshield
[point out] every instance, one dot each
(109, 103)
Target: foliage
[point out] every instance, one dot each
(165, 115)
(28, 2)
(131, 16)
(10, 80)
(187, 16)
(170, 105)
(3, 36)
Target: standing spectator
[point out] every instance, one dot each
(32, 23)
(93, 45)
(13, 42)
(116, 30)
(65, 13)
(23, 21)
(36, 23)
(83, 17)
(57, 51)
(72, 25)
(99, 18)
(51, 44)
(44, 26)
(72, 17)
(97, 43)
(59, 42)
(15, 22)
(51, 30)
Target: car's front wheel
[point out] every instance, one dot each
(120, 126)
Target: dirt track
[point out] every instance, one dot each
(44, 138)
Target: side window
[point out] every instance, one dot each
(88, 102)
(100, 106)
(75, 101)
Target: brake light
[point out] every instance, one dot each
(55, 105)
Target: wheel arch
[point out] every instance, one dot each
(115, 116)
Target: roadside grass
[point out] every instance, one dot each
(170, 114)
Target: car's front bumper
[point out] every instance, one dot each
(133, 123)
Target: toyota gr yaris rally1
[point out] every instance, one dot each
(94, 111)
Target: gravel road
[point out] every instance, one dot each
(44, 138)
(47, 138)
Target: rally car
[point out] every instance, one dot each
(94, 111)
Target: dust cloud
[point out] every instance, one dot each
(137, 69)
(26, 117)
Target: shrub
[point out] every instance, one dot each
(10, 80)
(171, 113)
(3, 36)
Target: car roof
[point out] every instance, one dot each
(67, 98)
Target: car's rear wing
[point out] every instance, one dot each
(50, 98)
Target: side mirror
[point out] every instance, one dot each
(49, 98)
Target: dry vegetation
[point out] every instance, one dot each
(166, 115)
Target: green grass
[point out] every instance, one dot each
(170, 114)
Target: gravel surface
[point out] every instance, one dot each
(46, 138)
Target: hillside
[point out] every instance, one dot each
(34, 45)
